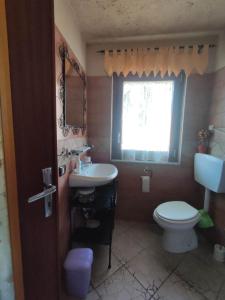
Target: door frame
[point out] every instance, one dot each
(9, 157)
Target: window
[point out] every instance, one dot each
(147, 118)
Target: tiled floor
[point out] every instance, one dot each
(141, 269)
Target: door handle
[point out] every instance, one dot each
(48, 191)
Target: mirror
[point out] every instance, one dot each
(73, 95)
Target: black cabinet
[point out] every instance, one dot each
(98, 204)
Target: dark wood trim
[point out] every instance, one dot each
(117, 116)
(9, 157)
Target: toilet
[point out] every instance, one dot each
(178, 219)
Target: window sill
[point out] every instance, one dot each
(146, 162)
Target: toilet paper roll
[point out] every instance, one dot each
(145, 180)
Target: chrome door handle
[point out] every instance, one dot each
(49, 191)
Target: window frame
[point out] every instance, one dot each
(176, 116)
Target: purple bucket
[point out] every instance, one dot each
(77, 268)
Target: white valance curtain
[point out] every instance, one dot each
(160, 61)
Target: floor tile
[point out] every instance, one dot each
(100, 271)
(176, 289)
(152, 269)
(221, 293)
(205, 278)
(204, 250)
(205, 253)
(92, 296)
(122, 226)
(125, 246)
(147, 235)
(121, 286)
(142, 270)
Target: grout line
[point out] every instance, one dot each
(127, 261)
(186, 281)
(124, 265)
(94, 289)
(98, 285)
(167, 277)
(99, 296)
(133, 275)
(193, 287)
(219, 291)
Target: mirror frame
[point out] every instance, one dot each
(64, 55)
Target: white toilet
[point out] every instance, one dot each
(178, 219)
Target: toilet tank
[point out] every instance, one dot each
(209, 171)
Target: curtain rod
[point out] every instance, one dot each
(157, 48)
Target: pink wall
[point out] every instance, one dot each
(169, 181)
(70, 141)
(217, 147)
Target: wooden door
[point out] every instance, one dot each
(31, 54)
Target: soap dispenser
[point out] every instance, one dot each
(78, 163)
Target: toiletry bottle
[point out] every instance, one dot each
(78, 163)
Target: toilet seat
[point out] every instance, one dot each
(177, 222)
(177, 212)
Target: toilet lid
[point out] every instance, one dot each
(176, 210)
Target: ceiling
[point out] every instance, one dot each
(109, 19)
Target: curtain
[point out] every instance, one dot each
(162, 61)
(151, 156)
(146, 128)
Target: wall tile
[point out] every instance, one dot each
(168, 182)
(217, 148)
(70, 142)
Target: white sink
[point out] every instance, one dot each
(93, 175)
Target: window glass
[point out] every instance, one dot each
(146, 115)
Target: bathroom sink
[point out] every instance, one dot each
(93, 175)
